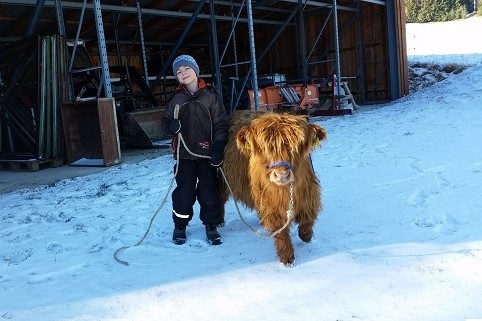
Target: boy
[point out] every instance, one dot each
(196, 114)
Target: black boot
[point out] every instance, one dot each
(213, 236)
(179, 235)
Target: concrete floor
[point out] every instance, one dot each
(14, 180)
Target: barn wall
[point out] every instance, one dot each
(402, 47)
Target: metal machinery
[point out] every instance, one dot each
(319, 96)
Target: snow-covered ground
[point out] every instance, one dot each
(440, 49)
(400, 237)
(456, 38)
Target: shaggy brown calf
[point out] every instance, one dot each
(267, 166)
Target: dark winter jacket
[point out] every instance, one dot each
(204, 124)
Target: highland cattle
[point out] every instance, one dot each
(268, 168)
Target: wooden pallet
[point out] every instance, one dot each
(31, 165)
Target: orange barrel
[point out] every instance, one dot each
(262, 100)
(273, 96)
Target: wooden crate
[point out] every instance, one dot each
(91, 133)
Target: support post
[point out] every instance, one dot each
(302, 38)
(254, 73)
(102, 49)
(337, 48)
(215, 46)
(143, 47)
(60, 18)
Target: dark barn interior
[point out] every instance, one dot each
(83, 79)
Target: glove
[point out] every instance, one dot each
(174, 126)
(217, 154)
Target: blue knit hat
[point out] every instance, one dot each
(185, 60)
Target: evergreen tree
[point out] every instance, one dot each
(436, 10)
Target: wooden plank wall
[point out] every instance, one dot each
(375, 56)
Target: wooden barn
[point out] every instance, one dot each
(86, 78)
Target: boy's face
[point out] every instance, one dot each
(186, 75)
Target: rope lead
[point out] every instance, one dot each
(116, 253)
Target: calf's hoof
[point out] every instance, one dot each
(305, 234)
(288, 262)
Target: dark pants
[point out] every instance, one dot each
(196, 179)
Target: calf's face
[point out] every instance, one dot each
(276, 143)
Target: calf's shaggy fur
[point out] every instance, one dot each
(265, 154)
